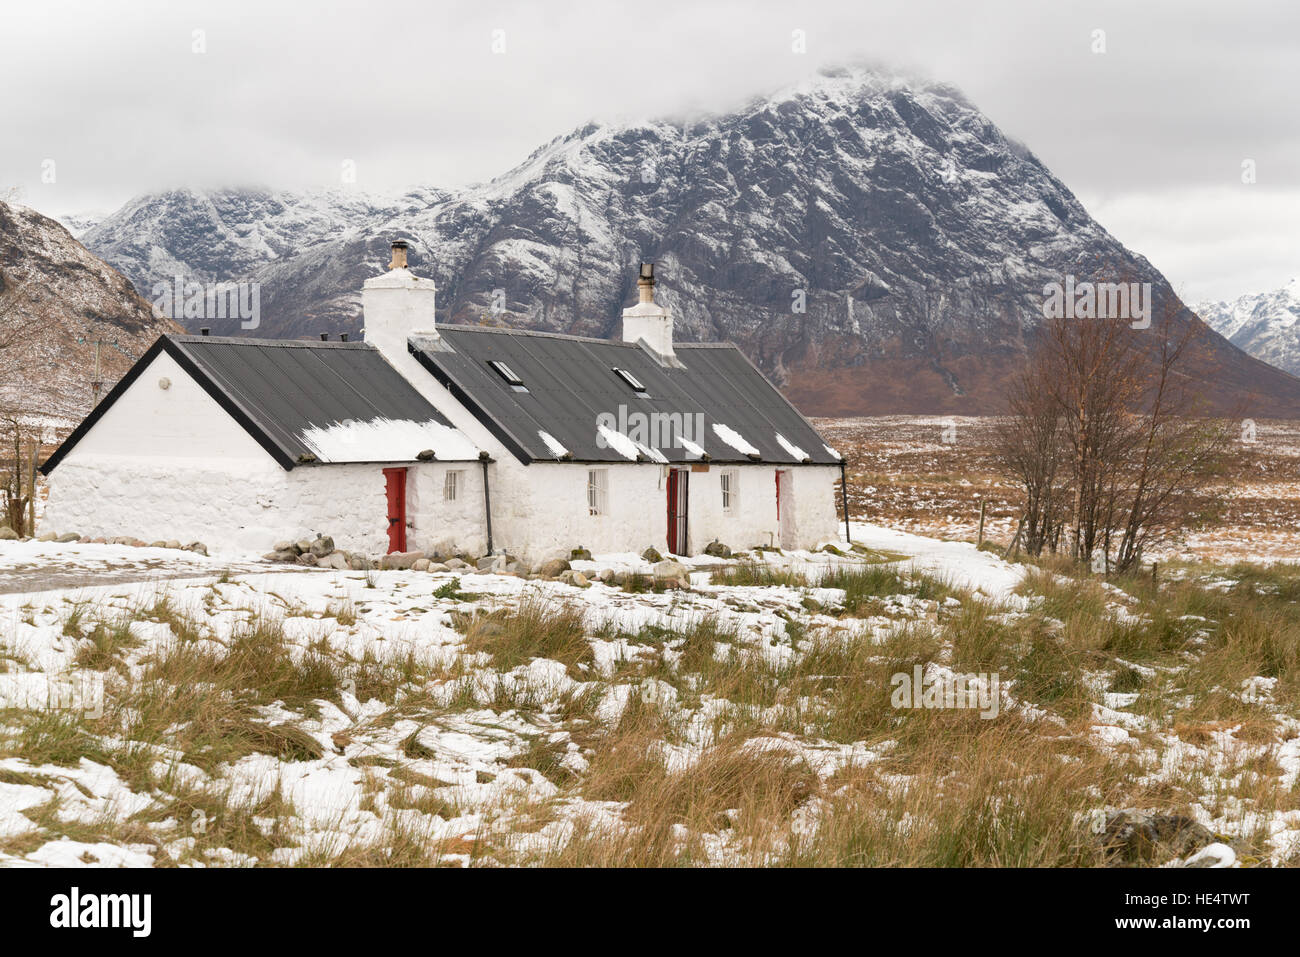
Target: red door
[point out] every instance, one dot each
(396, 481)
(678, 496)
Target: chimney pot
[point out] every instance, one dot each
(647, 321)
(399, 254)
(645, 284)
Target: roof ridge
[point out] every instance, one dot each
(250, 341)
(540, 333)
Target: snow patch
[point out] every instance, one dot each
(629, 448)
(731, 437)
(797, 453)
(387, 440)
(553, 444)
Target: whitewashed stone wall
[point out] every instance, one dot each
(171, 464)
(544, 506)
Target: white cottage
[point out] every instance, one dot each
(448, 439)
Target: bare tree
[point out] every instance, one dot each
(1107, 435)
(21, 439)
(1030, 450)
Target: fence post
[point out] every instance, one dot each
(980, 541)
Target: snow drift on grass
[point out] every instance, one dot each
(960, 563)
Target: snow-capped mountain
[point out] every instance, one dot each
(1266, 324)
(78, 224)
(56, 302)
(875, 244)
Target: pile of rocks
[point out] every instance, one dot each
(7, 534)
(318, 551)
(554, 566)
(321, 553)
(1143, 836)
(663, 574)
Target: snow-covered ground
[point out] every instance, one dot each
(960, 563)
(418, 740)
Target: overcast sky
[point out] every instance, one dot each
(1150, 134)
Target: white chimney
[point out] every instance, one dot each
(397, 306)
(647, 322)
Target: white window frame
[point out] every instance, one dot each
(597, 492)
(451, 485)
(729, 483)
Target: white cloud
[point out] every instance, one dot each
(414, 95)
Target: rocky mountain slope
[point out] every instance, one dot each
(1266, 324)
(876, 245)
(56, 301)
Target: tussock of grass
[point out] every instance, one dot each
(760, 574)
(534, 628)
(103, 649)
(991, 798)
(48, 737)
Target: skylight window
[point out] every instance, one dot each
(508, 374)
(633, 381)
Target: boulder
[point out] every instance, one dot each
(46, 537)
(336, 560)
(285, 547)
(456, 563)
(303, 546)
(492, 564)
(575, 578)
(158, 544)
(717, 550)
(1137, 836)
(552, 568)
(652, 555)
(307, 559)
(7, 534)
(400, 560)
(69, 537)
(360, 563)
(671, 571)
(198, 548)
(322, 546)
(172, 543)
(437, 567)
(421, 565)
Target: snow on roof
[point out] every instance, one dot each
(387, 440)
(733, 438)
(831, 451)
(794, 450)
(627, 447)
(557, 448)
(574, 382)
(691, 448)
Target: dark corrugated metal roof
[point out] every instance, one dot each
(571, 382)
(279, 389)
